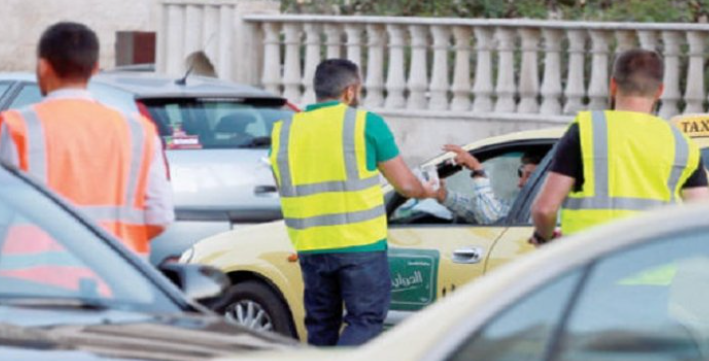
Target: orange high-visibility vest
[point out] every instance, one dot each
(94, 156)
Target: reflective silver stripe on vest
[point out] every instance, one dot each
(681, 161)
(602, 198)
(335, 219)
(122, 214)
(137, 139)
(620, 203)
(36, 149)
(353, 182)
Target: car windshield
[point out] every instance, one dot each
(215, 124)
(48, 257)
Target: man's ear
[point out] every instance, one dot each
(613, 88)
(44, 67)
(659, 92)
(95, 70)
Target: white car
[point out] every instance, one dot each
(634, 290)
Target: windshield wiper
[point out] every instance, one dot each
(257, 142)
(42, 302)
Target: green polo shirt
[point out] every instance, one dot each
(380, 147)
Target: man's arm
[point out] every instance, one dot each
(695, 194)
(159, 208)
(403, 180)
(545, 208)
(696, 188)
(481, 207)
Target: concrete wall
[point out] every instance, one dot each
(23, 21)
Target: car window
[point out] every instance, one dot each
(29, 94)
(114, 97)
(647, 303)
(502, 172)
(47, 253)
(525, 330)
(705, 157)
(205, 124)
(4, 86)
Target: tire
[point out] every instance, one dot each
(256, 306)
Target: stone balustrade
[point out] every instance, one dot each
(456, 79)
(548, 68)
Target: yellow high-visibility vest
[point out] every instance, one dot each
(329, 199)
(631, 162)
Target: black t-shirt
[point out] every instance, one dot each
(568, 161)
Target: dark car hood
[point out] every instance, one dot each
(121, 335)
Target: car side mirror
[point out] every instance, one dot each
(197, 282)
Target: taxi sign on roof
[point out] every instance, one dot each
(694, 125)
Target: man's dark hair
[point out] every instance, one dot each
(532, 157)
(332, 76)
(638, 72)
(71, 48)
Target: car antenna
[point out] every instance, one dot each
(183, 81)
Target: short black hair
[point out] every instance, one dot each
(639, 72)
(71, 48)
(533, 156)
(332, 76)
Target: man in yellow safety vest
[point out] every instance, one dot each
(615, 163)
(326, 161)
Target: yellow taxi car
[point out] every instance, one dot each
(431, 251)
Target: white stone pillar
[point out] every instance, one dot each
(418, 78)
(505, 88)
(695, 92)
(461, 75)
(598, 89)
(439, 76)
(354, 43)
(483, 87)
(272, 58)
(174, 65)
(396, 78)
(333, 34)
(648, 39)
(672, 41)
(291, 67)
(210, 35)
(312, 59)
(161, 40)
(375, 66)
(225, 42)
(575, 89)
(529, 74)
(551, 84)
(193, 30)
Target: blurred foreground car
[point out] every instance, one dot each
(432, 252)
(69, 291)
(633, 290)
(216, 134)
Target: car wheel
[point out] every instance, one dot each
(256, 306)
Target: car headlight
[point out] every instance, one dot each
(187, 255)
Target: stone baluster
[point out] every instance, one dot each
(695, 93)
(272, 58)
(312, 59)
(175, 40)
(210, 26)
(672, 40)
(375, 66)
(598, 88)
(418, 78)
(291, 67)
(483, 86)
(648, 39)
(354, 43)
(506, 88)
(625, 39)
(225, 44)
(193, 33)
(575, 89)
(439, 77)
(529, 74)
(333, 34)
(551, 84)
(396, 78)
(461, 75)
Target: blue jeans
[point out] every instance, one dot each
(359, 280)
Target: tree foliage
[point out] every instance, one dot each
(598, 10)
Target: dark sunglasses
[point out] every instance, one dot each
(520, 171)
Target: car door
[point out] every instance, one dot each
(432, 252)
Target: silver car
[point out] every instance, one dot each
(216, 135)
